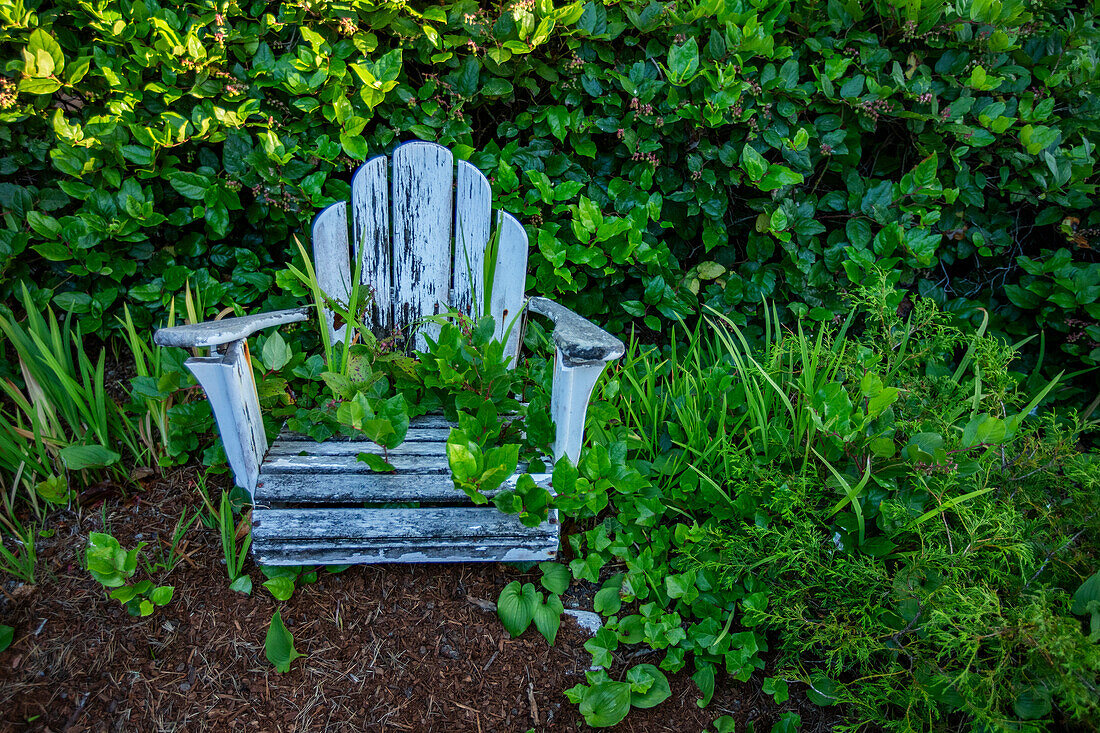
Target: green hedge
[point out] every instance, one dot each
(667, 153)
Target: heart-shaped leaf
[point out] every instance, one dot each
(243, 584)
(281, 588)
(516, 606)
(162, 595)
(605, 704)
(555, 576)
(548, 618)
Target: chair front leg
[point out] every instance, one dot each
(229, 385)
(572, 388)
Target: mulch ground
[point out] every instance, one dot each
(388, 648)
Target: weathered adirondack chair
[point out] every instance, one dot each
(421, 234)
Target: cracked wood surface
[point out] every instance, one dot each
(423, 199)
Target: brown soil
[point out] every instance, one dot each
(392, 648)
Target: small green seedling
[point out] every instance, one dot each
(113, 566)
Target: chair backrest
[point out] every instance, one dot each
(421, 229)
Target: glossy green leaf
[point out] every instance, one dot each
(547, 618)
(605, 704)
(281, 588)
(279, 645)
(516, 606)
(555, 577)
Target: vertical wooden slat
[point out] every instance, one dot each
(370, 229)
(473, 199)
(506, 303)
(423, 199)
(331, 259)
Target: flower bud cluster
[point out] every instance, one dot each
(282, 199)
(8, 93)
(347, 27)
(875, 108)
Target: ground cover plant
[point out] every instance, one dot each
(875, 494)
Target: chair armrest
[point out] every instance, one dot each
(579, 340)
(226, 330)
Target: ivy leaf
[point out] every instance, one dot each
(789, 722)
(601, 645)
(516, 606)
(656, 688)
(279, 645)
(777, 688)
(243, 584)
(882, 400)
(608, 600)
(162, 595)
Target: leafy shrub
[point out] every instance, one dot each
(876, 495)
(668, 152)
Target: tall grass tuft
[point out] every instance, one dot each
(60, 430)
